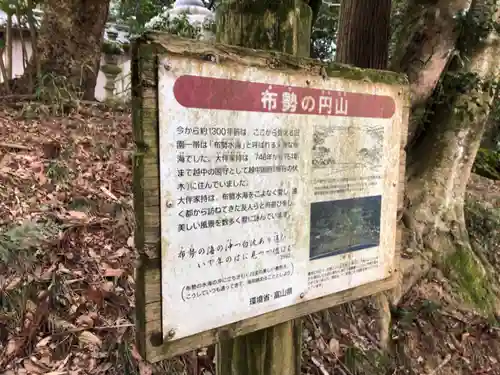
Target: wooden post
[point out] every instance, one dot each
(283, 26)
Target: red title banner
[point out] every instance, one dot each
(226, 94)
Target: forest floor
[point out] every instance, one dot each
(67, 270)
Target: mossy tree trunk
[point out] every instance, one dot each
(448, 52)
(282, 26)
(442, 153)
(69, 44)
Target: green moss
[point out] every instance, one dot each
(471, 279)
(371, 75)
(281, 60)
(111, 69)
(111, 48)
(126, 47)
(487, 164)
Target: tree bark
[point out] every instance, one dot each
(441, 158)
(283, 26)
(70, 39)
(3, 72)
(364, 33)
(425, 42)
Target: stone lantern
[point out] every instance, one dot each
(197, 15)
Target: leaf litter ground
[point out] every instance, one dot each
(67, 272)
(66, 247)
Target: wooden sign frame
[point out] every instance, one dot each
(153, 344)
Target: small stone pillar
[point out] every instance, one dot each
(111, 69)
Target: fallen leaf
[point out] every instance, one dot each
(95, 295)
(44, 342)
(319, 365)
(85, 320)
(334, 346)
(145, 368)
(78, 215)
(33, 368)
(113, 272)
(108, 193)
(12, 347)
(120, 252)
(87, 337)
(13, 284)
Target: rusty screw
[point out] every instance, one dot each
(170, 334)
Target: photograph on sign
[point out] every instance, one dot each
(275, 189)
(342, 226)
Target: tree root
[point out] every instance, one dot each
(462, 263)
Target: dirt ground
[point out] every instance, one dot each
(67, 270)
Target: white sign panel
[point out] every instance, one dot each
(275, 189)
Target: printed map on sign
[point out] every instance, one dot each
(276, 189)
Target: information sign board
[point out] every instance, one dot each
(276, 189)
(266, 187)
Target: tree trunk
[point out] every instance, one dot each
(70, 39)
(363, 41)
(425, 42)
(364, 33)
(441, 159)
(283, 26)
(3, 72)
